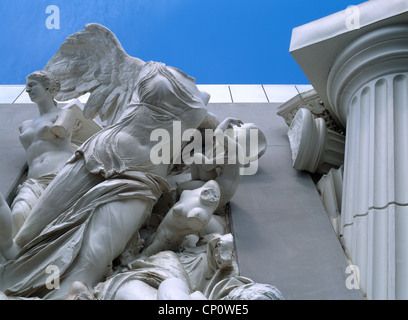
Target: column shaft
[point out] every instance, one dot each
(376, 186)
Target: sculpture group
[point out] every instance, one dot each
(110, 222)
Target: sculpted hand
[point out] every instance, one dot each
(228, 122)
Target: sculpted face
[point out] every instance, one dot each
(35, 90)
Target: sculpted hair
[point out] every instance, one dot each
(47, 80)
(209, 196)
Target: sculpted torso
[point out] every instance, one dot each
(46, 152)
(46, 138)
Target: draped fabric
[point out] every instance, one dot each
(60, 242)
(27, 195)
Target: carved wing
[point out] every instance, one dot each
(93, 60)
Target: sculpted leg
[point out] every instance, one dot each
(27, 195)
(20, 212)
(71, 183)
(8, 248)
(110, 229)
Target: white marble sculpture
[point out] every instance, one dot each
(104, 195)
(47, 141)
(188, 216)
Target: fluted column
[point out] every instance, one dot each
(368, 91)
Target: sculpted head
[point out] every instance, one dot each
(50, 84)
(210, 194)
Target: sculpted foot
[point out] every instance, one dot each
(8, 248)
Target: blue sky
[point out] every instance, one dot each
(215, 41)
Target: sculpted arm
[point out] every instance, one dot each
(64, 124)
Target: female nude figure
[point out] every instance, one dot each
(47, 141)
